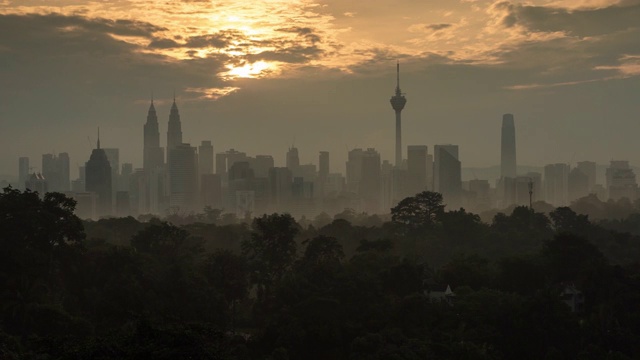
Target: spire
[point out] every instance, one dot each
(398, 72)
(151, 107)
(98, 137)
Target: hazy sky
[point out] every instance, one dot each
(259, 76)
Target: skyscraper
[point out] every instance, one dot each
(98, 179)
(556, 184)
(588, 168)
(508, 147)
(447, 174)
(416, 168)
(205, 158)
(293, 161)
(23, 171)
(323, 164)
(183, 177)
(174, 131)
(370, 189)
(398, 102)
(153, 154)
(56, 170)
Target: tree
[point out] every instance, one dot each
(566, 220)
(228, 273)
(39, 237)
(271, 249)
(323, 251)
(420, 211)
(163, 238)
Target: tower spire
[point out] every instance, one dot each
(98, 137)
(398, 72)
(398, 102)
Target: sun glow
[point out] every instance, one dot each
(254, 70)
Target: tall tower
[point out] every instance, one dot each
(98, 178)
(397, 103)
(508, 147)
(174, 133)
(153, 155)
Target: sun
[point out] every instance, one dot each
(248, 70)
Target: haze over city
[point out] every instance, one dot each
(263, 76)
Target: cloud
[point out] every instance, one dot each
(437, 27)
(582, 22)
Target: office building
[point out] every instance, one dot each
(447, 174)
(55, 168)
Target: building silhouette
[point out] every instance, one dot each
(417, 159)
(398, 101)
(55, 168)
(183, 177)
(36, 182)
(174, 131)
(556, 184)
(621, 181)
(23, 171)
(588, 168)
(508, 147)
(205, 158)
(370, 189)
(98, 180)
(153, 153)
(447, 174)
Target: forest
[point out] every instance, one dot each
(424, 282)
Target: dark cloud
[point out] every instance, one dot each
(580, 22)
(437, 27)
(305, 32)
(292, 54)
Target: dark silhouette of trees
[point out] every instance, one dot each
(421, 211)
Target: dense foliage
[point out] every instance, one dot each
(350, 287)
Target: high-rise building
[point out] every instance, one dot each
(225, 160)
(174, 131)
(354, 169)
(211, 190)
(370, 189)
(261, 165)
(578, 184)
(508, 147)
(293, 161)
(621, 181)
(98, 180)
(205, 158)
(183, 177)
(417, 168)
(153, 154)
(37, 182)
(323, 164)
(588, 168)
(113, 155)
(280, 191)
(447, 174)
(556, 184)
(398, 101)
(56, 170)
(23, 171)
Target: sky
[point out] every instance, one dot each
(261, 76)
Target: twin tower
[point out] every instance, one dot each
(153, 155)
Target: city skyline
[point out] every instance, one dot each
(319, 73)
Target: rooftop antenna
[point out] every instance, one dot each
(98, 137)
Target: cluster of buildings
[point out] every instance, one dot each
(184, 178)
